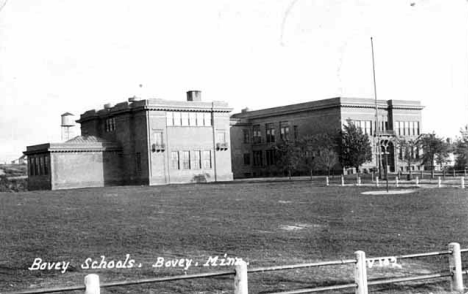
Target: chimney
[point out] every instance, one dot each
(245, 110)
(193, 95)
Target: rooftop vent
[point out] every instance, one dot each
(245, 110)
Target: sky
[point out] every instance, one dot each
(60, 56)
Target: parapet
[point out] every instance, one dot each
(155, 104)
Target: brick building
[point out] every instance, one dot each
(144, 142)
(254, 133)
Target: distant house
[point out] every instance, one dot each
(139, 142)
(21, 160)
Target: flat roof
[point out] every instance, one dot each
(330, 103)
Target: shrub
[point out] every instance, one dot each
(17, 185)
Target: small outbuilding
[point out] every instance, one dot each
(84, 161)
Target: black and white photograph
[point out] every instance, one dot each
(220, 146)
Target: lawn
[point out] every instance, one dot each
(274, 223)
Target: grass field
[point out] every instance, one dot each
(274, 223)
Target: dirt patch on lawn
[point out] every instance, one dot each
(297, 227)
(391, 192)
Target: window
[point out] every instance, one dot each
(138, 162)
(30, 166)
(270, 157)
(41, 165)
(158, 138)
(270, 133)
(36, 166)
(296, 132)
(193, 119)
(246, 158)
(417, 128)
(169, 118)
(109, 125)
(199, 118)
(246, 134)
(284, 131)
(196, 159)
(400, 154)
(207, 119)
(398, 128)
(368, 127)
(257, 158)
(46, 164)
(177, 119)
(175, 160)
(186, 159)
(221, 137)
(185, 118)
(405, 128)
(206, 159)
(257, 134)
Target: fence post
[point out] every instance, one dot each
(377, 181)
(462, 179)
(342, 180)
(327, 182)
(396, 181)
(359, 181)
(91, 282)
(422, 175)
(440, 183)
(240, 280)
(455, 264)
(454, 173)
(360, 273)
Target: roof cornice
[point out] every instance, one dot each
(217, 107)
(338, 102)
(64, 147)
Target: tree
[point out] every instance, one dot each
(461, 150)
(287, 157)
(354, 147)
(435, 150)
(409, 151)
(318, 152)
(327, 159)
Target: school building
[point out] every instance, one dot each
(255, 133)
(139, 142)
